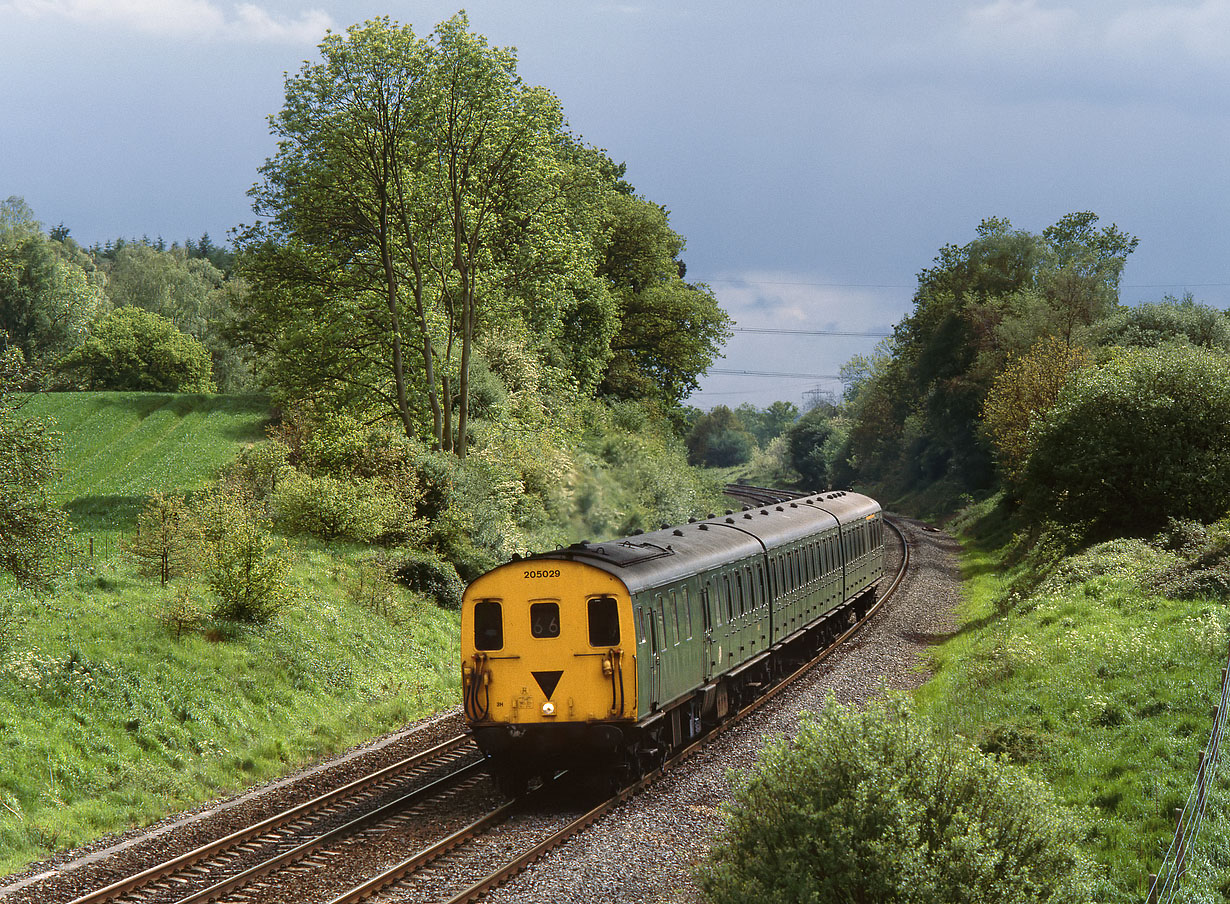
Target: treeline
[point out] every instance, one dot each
(127, 315)
(1018, 370)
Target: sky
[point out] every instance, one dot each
(815, 155)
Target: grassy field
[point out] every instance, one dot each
(110, 718)
(1103, 687)
(119, 446)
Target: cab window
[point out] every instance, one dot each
(488, 625)
(544, 619)
(603, 622)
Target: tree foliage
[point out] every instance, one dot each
(873, 806)
(133, 350)
(1135, 441)
(32, 526)
(996, 296)
(669, 330)
(807, 441)
(417, 203)
(426, 205)
(719, 439)
(1024, 392)
(49, 289)
(1169, 321)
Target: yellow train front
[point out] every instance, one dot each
(548, 666)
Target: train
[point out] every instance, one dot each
(608, 656)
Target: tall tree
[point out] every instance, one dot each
(49, 290)
(669, 330)
(416, 183)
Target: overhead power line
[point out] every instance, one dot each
(767, 373)
(782, 330)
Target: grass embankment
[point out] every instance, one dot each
(108, 719)
(1101, 685)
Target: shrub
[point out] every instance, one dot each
(244, 567)
(331, 508)
(429, 574)
(874, 806)
(165, 543)
(135, 350)
(1135, 441)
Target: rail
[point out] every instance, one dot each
(1164, 884)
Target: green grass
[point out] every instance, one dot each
(109, 719)
(120, 446)
(1098, 685)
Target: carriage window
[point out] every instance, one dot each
(675, 612)
(603, 622)
(687, 611)
(730, 599)
(544, 619)
(488, 625)
(640, 620)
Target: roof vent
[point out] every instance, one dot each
(794, 505)
(703, 527)
(730, 520)
(730, 511)
(678, 532)
(780, 509)
(637, 532)
(764, 511)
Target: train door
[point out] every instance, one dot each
(657, 641)
(707, 661)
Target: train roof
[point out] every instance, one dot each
(659, 557)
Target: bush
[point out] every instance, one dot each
(430, 575)
(1134, 442)
(134, 350)
(874, 806)
(331, 508)
(245, 568)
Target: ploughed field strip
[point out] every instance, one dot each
(435, 826)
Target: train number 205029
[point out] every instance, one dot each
(543, 573)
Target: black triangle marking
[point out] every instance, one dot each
(547, 681)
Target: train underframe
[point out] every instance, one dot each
(620, 752)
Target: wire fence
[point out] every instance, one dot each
(1164, 885)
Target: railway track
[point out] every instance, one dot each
(350, 845)
(241, 858)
